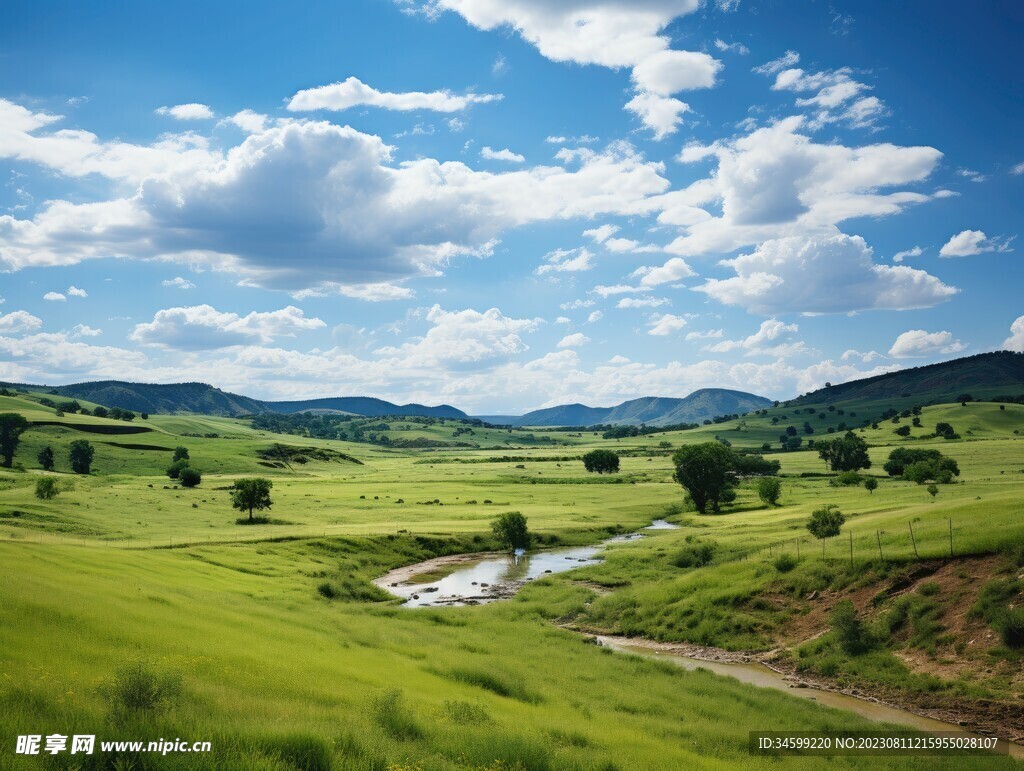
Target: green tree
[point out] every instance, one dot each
(100, 412)
(706, 472)
(12, 426)
(190, 477)
(510, 529)
(768, 490)
(826, 522)
(81, 455)
(846, 453)
(932, 490)
(852, 634)
(46, 459)
(175, 469)
(870, 484)
(601, 461)
(902, 431)
(180, 453)
(46, 488)
(251, 495)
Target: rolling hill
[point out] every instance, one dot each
(986, 375)
(364, 405)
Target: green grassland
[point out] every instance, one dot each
(124, 568)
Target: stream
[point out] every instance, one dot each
(475, 579)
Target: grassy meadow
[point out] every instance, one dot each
(271, 642)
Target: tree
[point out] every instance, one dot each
(180, 453)
(12, 426)
(847, 453)
(826, 522)
(251, 495)
(45, 458)
(100, 412)
(903, 457)
(706, 472)
(190, 477)
(945, 430)
(46, 488)
(510, 529)
(81, 454)
(768, 490)
(902, 431)
(932, 490)
(870, 484)
(601, 461)
(175, 469)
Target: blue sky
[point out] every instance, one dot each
(501, 204)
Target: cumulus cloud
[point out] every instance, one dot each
(971, 242)
(203, 327)
(1015, 342)
(308, 204)
(915, 251)
(640, 302)
(824, 274)
(567, 261)
(191, 111)
(84, 330)
(354, 93)
(574, 340)
(74, 291)
(777, 182)
(602, 290)
(675, 269)
(767, 341)
(665, 324)
(178, 283)
(19, 321)
(594, 317)
(610, 33)
(249, 121)
(864, 356)
(490, 154)
(379, 292)
(54, 297)
(836, 98)
(918, 342)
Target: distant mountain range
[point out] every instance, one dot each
(983, 376)
(650, 410)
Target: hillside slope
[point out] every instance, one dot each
(365, 405)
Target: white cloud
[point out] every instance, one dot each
(594, 317)
(710, 334)
(379, 292)
(767, 341)
(249, 121)
(501, 155)
(567, 261)
(353, 93)
(203, 327)
(1015, 342)
(865, 357)
(918, 342)
(739, 48)
(602, 233)
(610, 33)
(191, 111)
(970, 242)
(574, 340)
(309, 205)
(19, 321)
(915, 251)
(675, 269)
(84, 330)
(1018, 169)
(640, 302)
(583, 139)
(837, 98)
(563, 320)
(972, 175)
(775, 66)
(777, 182)
(178, 283)
(576, 305)
(74, 291)
(54, 297)
(825, 274)
(607, 291)
(666, 324)
(500, 66)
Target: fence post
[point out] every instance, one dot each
(913, 540)
(879, 537)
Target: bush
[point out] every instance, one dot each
(852, 634)
(138, 687)
(695, 555)
(870, 484)
(601, 461)
(826, 522)
(391, 714)
(768, 490)
(46, 488)
(190, 477)
(510, 529)
(175, 469)
(846, 479)
(785, 562)
(1010, 625)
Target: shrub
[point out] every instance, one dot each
(139, 687)
(190, 477)
(768, 490)
(391, 714)
(870, 484)
(695, 555)
(852, 634)
(785, 562)
(826, 522)
(846, 479)
(46, 488)
(1010, 625)
(511, 530)
(601, 461)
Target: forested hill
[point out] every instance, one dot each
(365, 405)
(983, 376)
